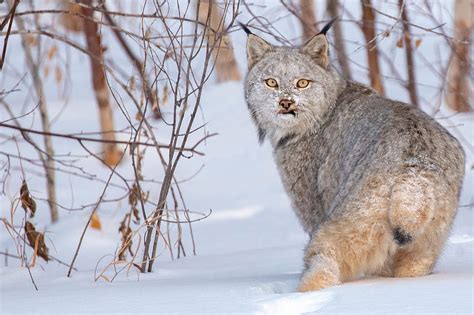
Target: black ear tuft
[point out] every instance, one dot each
(328, 26)
(245, 28)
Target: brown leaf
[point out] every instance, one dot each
(52, 52)
(132, 83)
(133, 195)
(418, 42)
(133, 199)
(138, 116)
(136, 215)
(126, 232)
(400, 42)
(36, 241)
(155, 105)
(31, 40)
(46, 71)
(95, 222)
(71, 21)
(58, 74)
(27, 203)
(165, 96)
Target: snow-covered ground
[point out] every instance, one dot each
(249, 250)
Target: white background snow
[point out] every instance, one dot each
(250, 248)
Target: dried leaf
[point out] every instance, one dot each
(46, 71)
(133, 198)
(400, 42)
(52, 52)
(126, 232)
(155, 105)
(148, 33)
(31, 40)
(418, 42)
(71, 21)
(27, 203)
(58, 74)
(165, 96)
(168, 55)
(95, 222)
(132, 83)
(36, 241)
(138, 116)
(136, 215)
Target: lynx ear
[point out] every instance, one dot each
(256, 49)
(317, 49)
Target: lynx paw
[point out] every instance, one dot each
(317, 281)
(412, 267)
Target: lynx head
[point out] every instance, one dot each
(289, 89)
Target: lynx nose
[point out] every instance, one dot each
(285, 103)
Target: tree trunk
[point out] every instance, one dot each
(48, 161)
(111, 154)
(226, 65)
(368, 28)
(308, 19)
(332, 7)
(458, 94)
(411, 85)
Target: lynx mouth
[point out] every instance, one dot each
(289, 111)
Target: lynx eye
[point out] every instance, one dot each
(271, 83)
(302, 83)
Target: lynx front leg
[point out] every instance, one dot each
(322, 272)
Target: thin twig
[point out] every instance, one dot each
(10, 16)
(86, 139)
(88, 222)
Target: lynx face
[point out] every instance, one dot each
(288, 90)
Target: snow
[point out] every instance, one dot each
(249, 249)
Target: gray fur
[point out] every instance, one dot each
(344, 134)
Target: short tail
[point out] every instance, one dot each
(411, 207)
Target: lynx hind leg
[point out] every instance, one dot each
(414, 261)
(421, 213)
(345, 248)
(411, 206)
(419, 257)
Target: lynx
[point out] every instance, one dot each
(374, 182)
